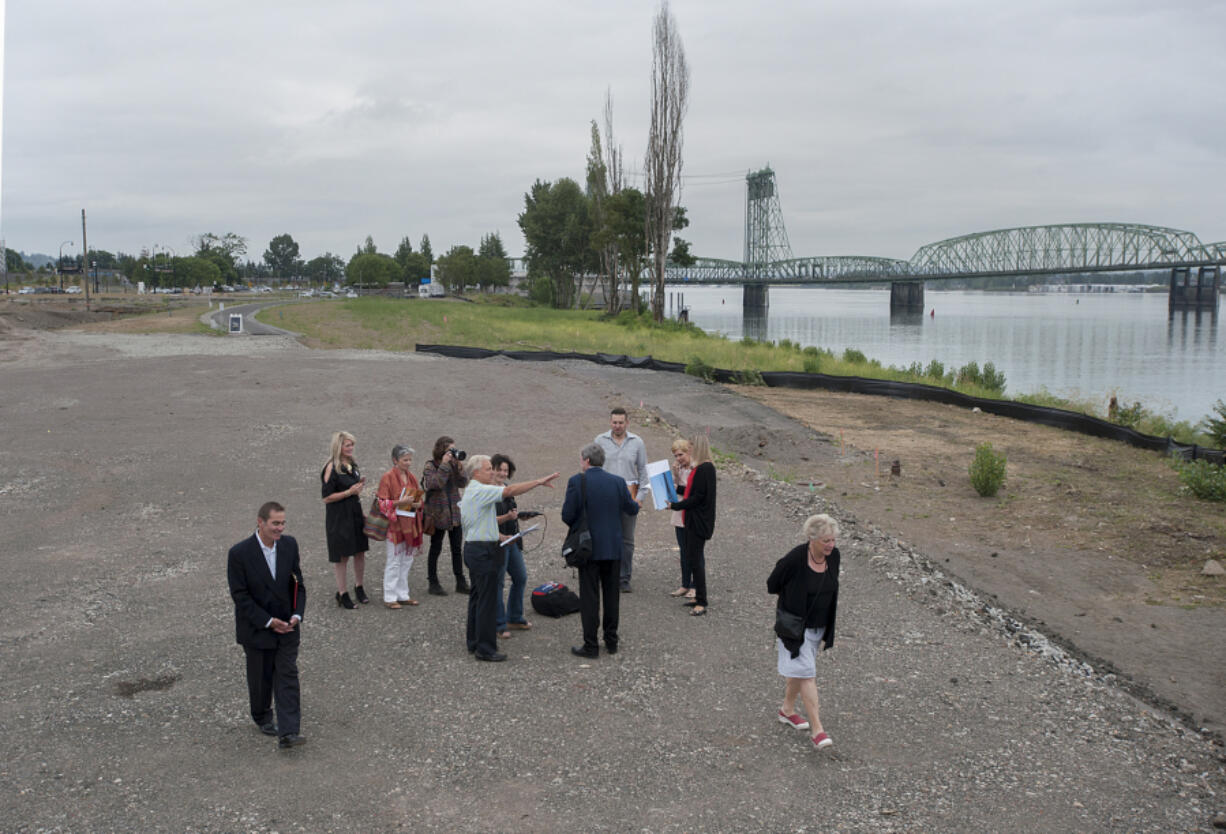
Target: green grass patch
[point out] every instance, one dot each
(513, 322)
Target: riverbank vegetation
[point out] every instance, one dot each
(513, 323)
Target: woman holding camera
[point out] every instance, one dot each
(807, 582)
(343, 518)
(442, 479)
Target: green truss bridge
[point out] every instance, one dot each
(1195, 267)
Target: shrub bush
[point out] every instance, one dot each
(813, 364)
(991, 378)
(987, 470)
(853, 355)
(1215, 427)
(935, 369)
(1203, 479)
(749, 377)
(697, 367)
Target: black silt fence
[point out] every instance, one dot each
(1057, 417)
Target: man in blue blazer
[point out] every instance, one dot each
(607, 499)
(269, 600)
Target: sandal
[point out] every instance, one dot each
(504, 635)
(409, 601)
(524, 626)
(680, 592)
(698, 611)
(689, 594)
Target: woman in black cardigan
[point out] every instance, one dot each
(807, 582)
(699, 508)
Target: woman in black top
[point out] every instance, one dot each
(699, 507)
(343, 519)
(807, 582)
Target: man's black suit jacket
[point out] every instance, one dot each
(258, 597)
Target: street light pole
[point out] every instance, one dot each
(59, 265)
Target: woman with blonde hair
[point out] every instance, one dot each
(400, 502)
(343, 519)
(807, 582)
(698, 511)
(681, 474)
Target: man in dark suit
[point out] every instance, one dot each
(608, 499)
(269, 600)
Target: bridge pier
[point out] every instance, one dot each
(906, 297)
(1201, 294)
(755, 298)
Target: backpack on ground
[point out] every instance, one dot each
(553, 599)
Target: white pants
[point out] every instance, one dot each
(396, 574)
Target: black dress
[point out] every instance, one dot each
(343, 520)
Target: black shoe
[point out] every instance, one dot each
(359, 593)
(436, 590)
(611, 648)
(462, 586)
(496, 657)
(290, 740)
(344, 601)
(269, 728)
(626, 589)
(580, 651)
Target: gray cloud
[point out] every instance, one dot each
(890, 125)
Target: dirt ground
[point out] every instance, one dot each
(1090, 538)
(135, 460)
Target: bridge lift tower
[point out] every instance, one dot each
(766, 238)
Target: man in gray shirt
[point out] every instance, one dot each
(626, 457)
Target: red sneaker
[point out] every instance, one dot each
(793, 720)
(822, 741)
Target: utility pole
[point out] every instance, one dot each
(84, 260)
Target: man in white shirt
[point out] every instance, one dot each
(626, 457)
(482, 553)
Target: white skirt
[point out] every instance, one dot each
(804, 665)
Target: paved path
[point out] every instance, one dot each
(221, 318)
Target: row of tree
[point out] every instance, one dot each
(607, 232)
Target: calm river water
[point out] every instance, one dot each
(1086, 345)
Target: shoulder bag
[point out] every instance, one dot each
(789, 626)
(577, 548)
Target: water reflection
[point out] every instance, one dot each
(1202, 328)
(1086, 347)
(906, 318)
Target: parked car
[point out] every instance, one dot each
(74, 290)
(26, 291)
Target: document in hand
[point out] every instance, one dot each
(663, 490)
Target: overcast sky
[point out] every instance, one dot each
(889, 124)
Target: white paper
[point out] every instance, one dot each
(519, 535)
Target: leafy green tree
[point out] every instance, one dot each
(414, 268)
(403, 250)
(458, 269)
(425, 250)
(1215, 427)
(101, 257)
(493, 270)
(626, 219)
(324, 269)
(372, 269)
(557, 228)
(368, 248)
(13, 262)
(282, 256)
(680, 256)
(224, 251)
(194, 272)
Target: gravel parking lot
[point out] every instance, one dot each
(134, 462)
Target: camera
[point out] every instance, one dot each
(528, 514)
(457, 454)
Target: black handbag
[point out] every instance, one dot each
(577, 548)
(789, 626)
